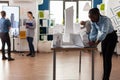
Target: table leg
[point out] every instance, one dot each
(92, 64)
(80, 62)
(54, 65)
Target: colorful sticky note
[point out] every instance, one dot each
(118, 14)
(102, 7)
(41, 14)
(22, 34)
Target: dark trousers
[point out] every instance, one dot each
(108, 46)
(5, 39)
(30, 44)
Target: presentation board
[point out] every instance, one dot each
(13, 14)
(113, 12)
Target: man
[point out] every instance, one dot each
(102, 31)
(4, 35)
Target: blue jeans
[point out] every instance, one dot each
(30, 44)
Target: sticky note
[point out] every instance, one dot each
(102, 7)
(118, 14)
(41, 14)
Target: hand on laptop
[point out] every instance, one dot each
(93, 44)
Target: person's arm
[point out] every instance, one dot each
(83, 27)
(93, 35)
(8, 23)
(103, 33)
(105, 29)
(83, 23)
(93, 32)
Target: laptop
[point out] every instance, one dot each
(78, 41)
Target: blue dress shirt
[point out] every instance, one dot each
(4, 25)
(100, 29)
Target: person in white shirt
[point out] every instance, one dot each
(87, 25)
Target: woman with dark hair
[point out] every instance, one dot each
(30, 27)
(102, 31)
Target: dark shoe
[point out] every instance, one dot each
(4, 58)
(11, 59)
(28, 54)
(33, 55)
(104, 78)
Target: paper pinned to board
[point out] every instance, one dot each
(102, 7)
(57, 40)
(118, 14)
(41, 14)
(45, 23)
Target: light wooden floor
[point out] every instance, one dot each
(40, 67)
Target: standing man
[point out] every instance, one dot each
(4, 35)
(102, 31)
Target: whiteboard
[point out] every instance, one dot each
(12, 13)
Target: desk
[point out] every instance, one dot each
(68, 48)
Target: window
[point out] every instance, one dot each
(56, 11)
(74, 4)
(83, 12)
(3, 3)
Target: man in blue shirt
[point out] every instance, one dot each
(102, 31)
(4, 35)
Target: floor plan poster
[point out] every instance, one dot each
(12, 13)
(113, 11)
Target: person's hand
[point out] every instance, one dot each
(97, 42)
(82, 27)
(27, 26)
(93, 44)
(82, 23)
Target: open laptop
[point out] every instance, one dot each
(78, 41)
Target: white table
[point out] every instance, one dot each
(71, 48)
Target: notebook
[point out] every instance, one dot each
(30, 24)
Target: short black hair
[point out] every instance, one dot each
(94, 11)
(3, 13)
